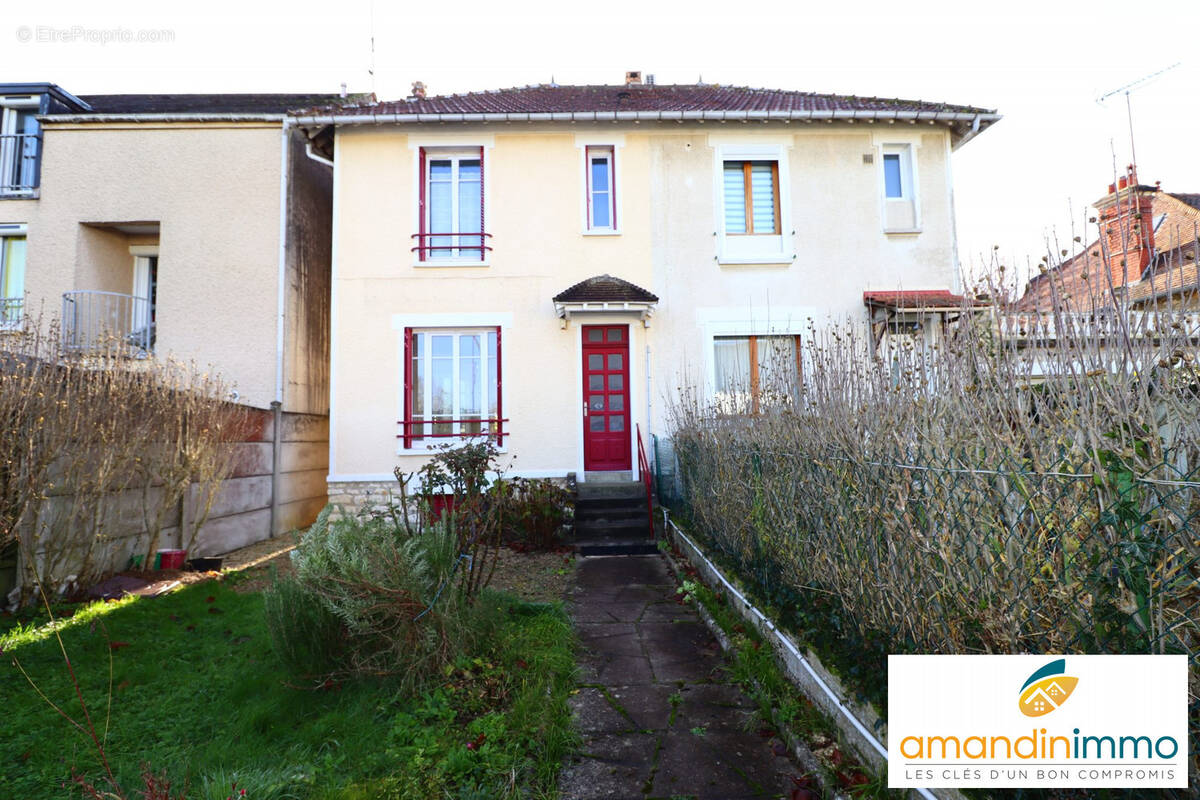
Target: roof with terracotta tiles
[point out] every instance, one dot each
(605, 289)
(1080, 282)
(208, 103)
(551, 98)
(916, 298)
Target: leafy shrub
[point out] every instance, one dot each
(536, 513)
(461, 475)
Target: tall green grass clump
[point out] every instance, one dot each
(370, 597)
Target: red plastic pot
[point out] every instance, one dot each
(172, 559)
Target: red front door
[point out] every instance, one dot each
(606, 398)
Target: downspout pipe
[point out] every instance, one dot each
(281, 279)
(280, 315)
(320, 159)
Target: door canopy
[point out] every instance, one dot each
(604, 294)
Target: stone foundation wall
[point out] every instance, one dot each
(350, 497)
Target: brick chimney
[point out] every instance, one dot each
(418, 90)
(633, 78)
(1127, 227)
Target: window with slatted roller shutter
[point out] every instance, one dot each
(751, 197)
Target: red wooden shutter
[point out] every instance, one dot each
(421, 189)
(407, 422)
(499, 391)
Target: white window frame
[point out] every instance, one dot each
(10, 105)
(909, 194)
(471, 322)
(904, 173)
(749, 398)
(455, 157)
(143, 312)
(436, 144)
(455, 335)
(608, 153)
(614, 143)
(753, 248)
(13, 232)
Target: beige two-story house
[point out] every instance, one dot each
(555, 265)
(186, 227)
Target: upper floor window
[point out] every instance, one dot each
(20, 145)
(601, 189)
(753, 202)
(452, 206)
(12, 279)
(751, 198)
(901, 212)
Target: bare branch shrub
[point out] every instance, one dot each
(100, 450)
(1003, 483)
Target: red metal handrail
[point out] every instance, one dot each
(644, 469)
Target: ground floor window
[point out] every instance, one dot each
(751, 371)
(451, 384)
(12, 280)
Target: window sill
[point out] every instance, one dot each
(602, 232)
(751, 260)
(452, 262)
(29, 194)
(901, 231)
(433, 449)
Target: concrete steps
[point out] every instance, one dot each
(610, 517)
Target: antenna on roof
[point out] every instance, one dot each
(371, 66)
(1127, 89)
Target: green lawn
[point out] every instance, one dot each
(196, 691)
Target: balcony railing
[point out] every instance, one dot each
(107, 323)
(461, 246)
(20, 154)
(11, 311)
(1048, 328)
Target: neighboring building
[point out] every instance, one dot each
(556, 265)
(194, 227)
(1144, 255)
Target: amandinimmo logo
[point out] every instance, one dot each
(967, 732)
(1046, 689)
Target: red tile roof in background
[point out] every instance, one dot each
(1080, 282)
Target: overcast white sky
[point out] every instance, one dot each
(1041, 64)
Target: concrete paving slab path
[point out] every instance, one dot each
(657, 712)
